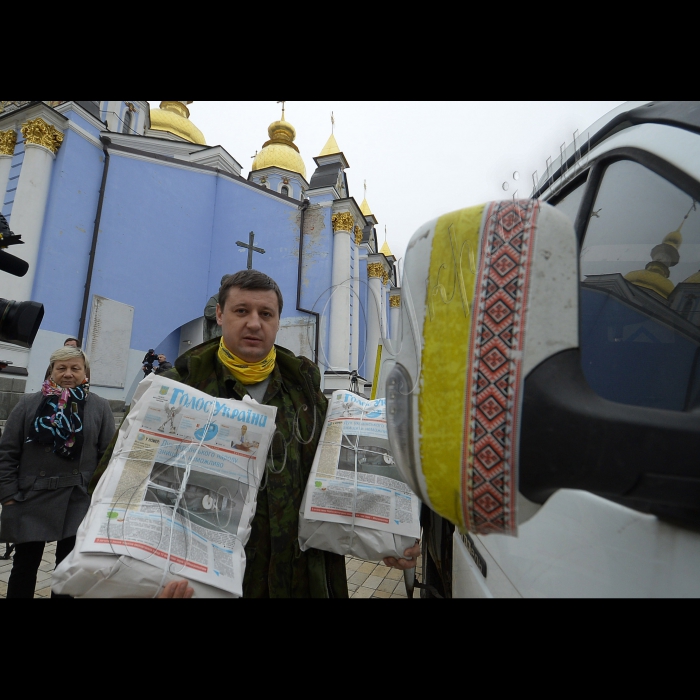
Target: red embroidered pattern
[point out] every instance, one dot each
(494, 386)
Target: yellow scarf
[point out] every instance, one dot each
(247, 372)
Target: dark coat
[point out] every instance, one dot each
(50, 492)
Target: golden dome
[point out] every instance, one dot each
(280, 151)
(694, 278)
(330, 148)
(653, 279)
(174, 117)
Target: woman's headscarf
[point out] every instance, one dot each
(59, 419)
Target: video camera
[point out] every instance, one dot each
(19, 320)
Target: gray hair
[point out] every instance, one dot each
(68, 353)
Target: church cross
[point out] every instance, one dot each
(282, 103)
(250, 248)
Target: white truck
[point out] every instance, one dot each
(544, 395)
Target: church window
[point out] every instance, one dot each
(127, 121)
(640, 290)
(285, 190)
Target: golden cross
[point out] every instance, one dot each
(281, 102)
(332, 122)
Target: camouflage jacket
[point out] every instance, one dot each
(275, 565)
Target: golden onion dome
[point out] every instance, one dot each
(280, 151)
(174, 118)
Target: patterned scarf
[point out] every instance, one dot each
(59, 419)
(247, 372)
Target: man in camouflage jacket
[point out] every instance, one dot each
(275, 566)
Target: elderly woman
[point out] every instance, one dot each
(49, 449)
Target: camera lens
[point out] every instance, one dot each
(20, 321)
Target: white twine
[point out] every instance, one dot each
(180, 493)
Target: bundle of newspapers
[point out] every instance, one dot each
(356, 502)
(177, 499)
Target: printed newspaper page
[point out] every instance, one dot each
(354, 472)
(184, 448)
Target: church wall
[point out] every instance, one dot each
(169, 346)
(191, 335)
(317, 271)
(78, 117)
(155, 238)
(67, 233)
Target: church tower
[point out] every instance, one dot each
(279, 166)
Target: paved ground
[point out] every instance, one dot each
(365, 579)
(43, 579)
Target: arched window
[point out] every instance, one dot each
(127, 121)
(285, 191)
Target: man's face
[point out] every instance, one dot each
(161, 359)
(70, 344)
(68, 373)
(249, 321)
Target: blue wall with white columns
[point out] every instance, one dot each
(66, 237)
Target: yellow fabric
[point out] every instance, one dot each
(247, 372)
(445, 362)
(375, 380)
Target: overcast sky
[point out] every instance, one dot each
(420, 159)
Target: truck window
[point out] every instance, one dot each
(640, 291)
(570, 202)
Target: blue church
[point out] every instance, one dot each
(130, 219)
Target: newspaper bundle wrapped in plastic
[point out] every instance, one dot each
(177, 499)
(356, 501)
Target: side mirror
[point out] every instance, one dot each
(489, 293)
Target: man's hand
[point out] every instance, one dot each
(404, 564)
(9, 503)
(177, 589)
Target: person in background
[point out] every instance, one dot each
(148, 361)
(163, 365)
(211, 328)
(49, 450)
